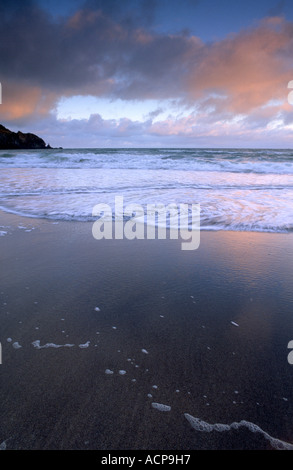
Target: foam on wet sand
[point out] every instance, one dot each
(161, 406)
(145, 364)
(37, 345)
(203, 426)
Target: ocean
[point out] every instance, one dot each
(237, 189)
(142, 345)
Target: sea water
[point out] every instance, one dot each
(237, 189)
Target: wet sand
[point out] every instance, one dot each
(139, 323)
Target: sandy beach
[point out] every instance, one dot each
(116, 344)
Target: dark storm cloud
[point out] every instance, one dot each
(131, 13)
(100, 49)
(54, 55)
(278, 9)
(110, 48)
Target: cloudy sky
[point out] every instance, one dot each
(148, 73)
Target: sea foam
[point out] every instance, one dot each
(37, 345)
(243, 190)
(161, 407)
(203, 426)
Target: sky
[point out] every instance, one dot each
(148, 73)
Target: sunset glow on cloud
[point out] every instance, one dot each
(140, 85)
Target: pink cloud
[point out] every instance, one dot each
(24, 101)
(248, 69)
(228, 85)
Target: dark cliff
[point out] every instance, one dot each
(18, 140)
